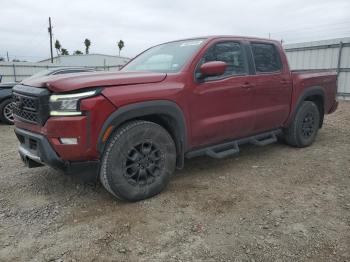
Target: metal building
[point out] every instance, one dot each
(326, 54)
(17, 71)
(91, 60)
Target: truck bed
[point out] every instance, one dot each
(325, 78)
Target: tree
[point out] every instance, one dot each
(87, 44)
(64, 51)
(77, 52)
(120, 45)
(58, 47)
(2, 59)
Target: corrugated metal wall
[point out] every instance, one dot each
(17, 71)
(328, 54)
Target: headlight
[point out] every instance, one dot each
(68, 104)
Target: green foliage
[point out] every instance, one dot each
(120, 45)
(87, 44)
(64, 51)
(77, 52)
(58, 47)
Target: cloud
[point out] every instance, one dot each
(23, 24)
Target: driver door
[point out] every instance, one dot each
(221, 106)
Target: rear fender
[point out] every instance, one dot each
(307, 93)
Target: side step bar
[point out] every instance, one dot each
(232, 147)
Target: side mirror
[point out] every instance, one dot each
(214, 68)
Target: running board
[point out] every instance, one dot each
(232, 147)
(264, 141)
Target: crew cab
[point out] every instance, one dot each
(203, 96)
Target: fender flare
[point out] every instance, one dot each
(5, 94)
(308, 92)
(164, 108)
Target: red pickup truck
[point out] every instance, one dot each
(181, 99)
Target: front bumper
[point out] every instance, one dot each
(35, 150)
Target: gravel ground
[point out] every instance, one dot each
(273, 203)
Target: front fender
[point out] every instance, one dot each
(161, 108)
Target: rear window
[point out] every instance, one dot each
(266, 58)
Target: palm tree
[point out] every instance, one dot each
(87, 44)
(120, 45)
(64, 51)
(58, 46)
(77, 52)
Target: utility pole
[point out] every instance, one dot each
(8, 58)
(50, 32)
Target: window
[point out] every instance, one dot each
(166, 58)
(266, 58)
(229, 52)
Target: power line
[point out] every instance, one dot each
(311, 27)
(338, 31)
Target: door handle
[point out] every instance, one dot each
(247, 85)
(284, 81)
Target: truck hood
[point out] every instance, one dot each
(71, 82)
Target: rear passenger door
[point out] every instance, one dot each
(272, 89)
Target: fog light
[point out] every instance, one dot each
(69, 141)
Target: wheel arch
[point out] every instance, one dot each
(163, 112)
(315, 94)
(5, 94)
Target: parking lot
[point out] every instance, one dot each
(273, 203)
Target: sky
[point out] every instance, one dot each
(141, 24)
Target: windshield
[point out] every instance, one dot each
(165, 58)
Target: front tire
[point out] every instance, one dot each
(138, 161)
(6, 111)
(303, 130)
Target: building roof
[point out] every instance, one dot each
(327, 42)
(83, 55)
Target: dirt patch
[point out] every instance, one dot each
(273, 203)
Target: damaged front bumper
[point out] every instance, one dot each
(35, 150)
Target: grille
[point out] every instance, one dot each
(25, 115)
(31, 104)
(26, 108)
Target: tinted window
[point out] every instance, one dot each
(266, 58)
(229, 52)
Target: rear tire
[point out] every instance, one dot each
(303, 130)
(138, 161)
(6, 111)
